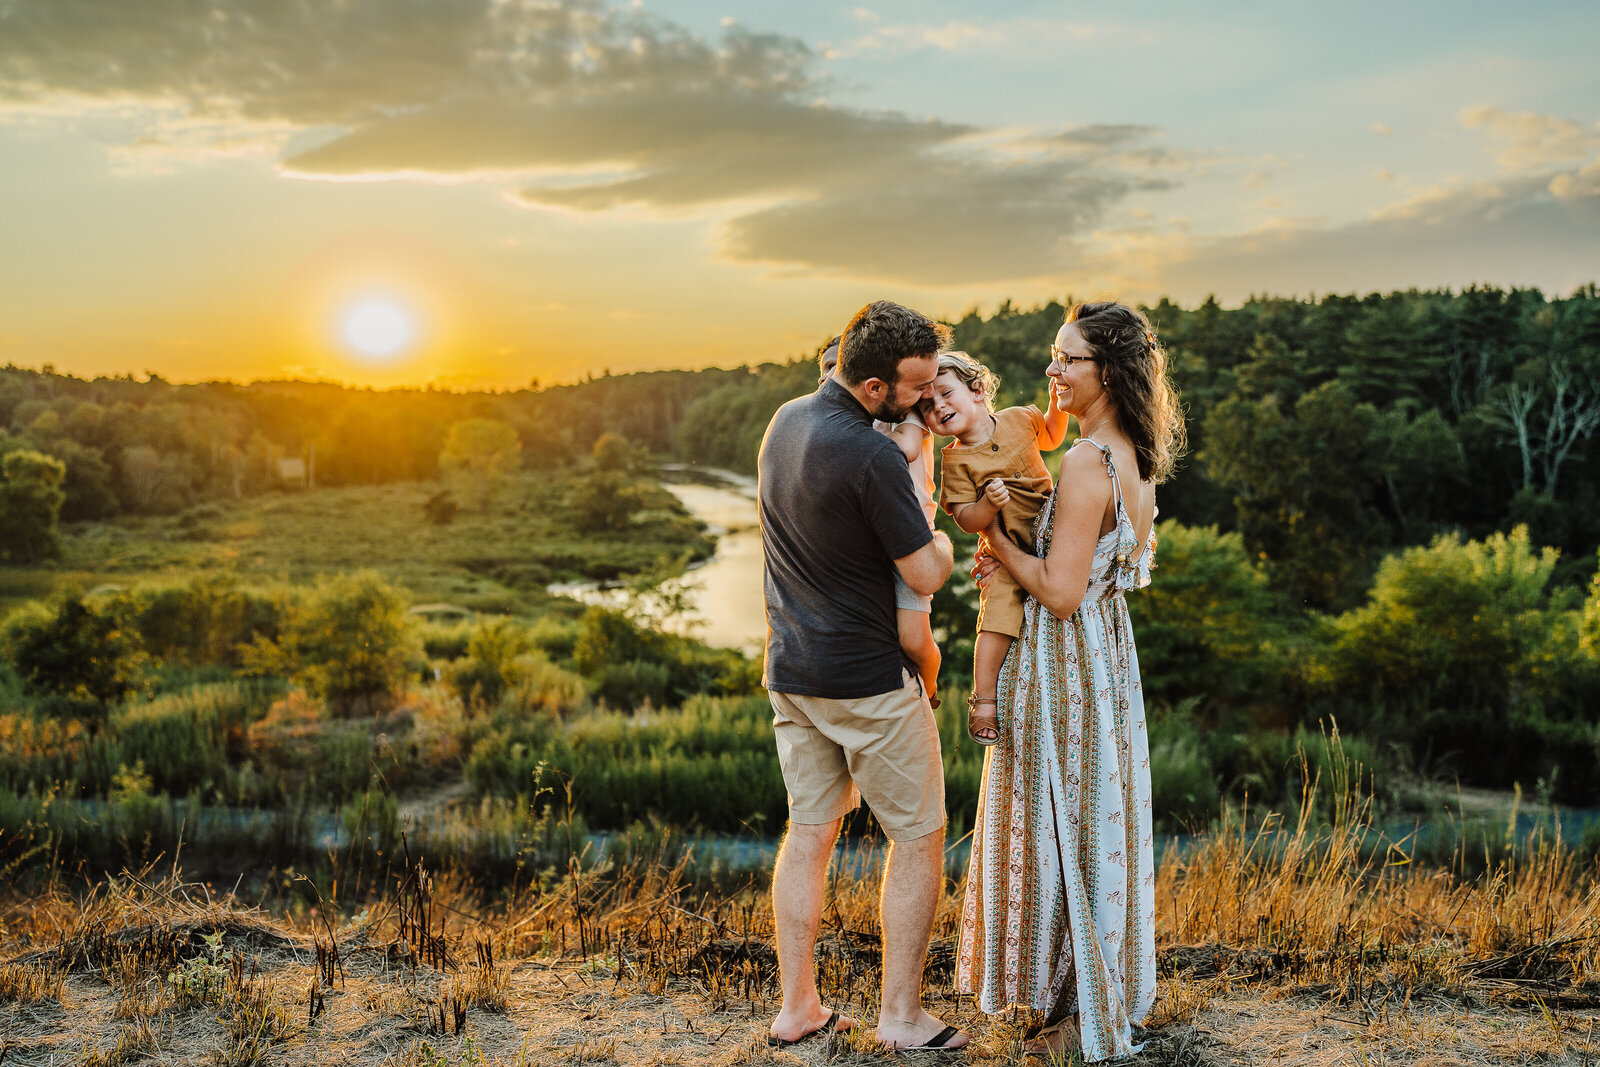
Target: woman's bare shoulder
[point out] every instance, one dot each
(1082, 461)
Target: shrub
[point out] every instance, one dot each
(350, 643)
(633, 684)
(447, 641)
(441, 508)
(482, 678)
(628, 664)
(606, 500)
(87, 654)
(1208, 626)
(1183, 783)
(187, 741)
(205, 621)
(710, 765)
(30, 503)
(556, 637)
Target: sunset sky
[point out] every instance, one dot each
(477, 193)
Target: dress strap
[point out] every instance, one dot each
(1111, 469)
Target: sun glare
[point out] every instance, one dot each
(378, 328)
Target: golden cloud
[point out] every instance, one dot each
(588, 108)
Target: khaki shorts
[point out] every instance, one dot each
(1000, 605)
(884, 748)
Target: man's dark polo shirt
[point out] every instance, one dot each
(837, 509)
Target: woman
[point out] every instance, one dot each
(1058, 911)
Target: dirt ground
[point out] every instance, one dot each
(381, 1008)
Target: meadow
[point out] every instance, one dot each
(521, 856)
(1295, 941)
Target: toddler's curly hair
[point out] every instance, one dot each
(972, 374)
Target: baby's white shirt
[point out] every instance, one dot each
(921, 468)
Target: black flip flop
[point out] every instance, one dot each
(826, 1028)
(937, 1041)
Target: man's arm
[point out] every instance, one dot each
(926, 569)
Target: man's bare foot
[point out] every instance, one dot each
(926, 1032)
(1057, 1043)
(790, 1031)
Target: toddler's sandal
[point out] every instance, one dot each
(977, 724)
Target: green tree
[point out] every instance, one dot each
(30, 505)
(605, 501)
(1450, 624)
(1465, 646)
(83, 652)
(350, 643)
(1304, 479)
(1209, 627)
(480, 452)
(613, 452)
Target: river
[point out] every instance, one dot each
(727, 607)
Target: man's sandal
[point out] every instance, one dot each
(976, 723)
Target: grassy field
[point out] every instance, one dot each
(511, 862)
(498, 562)
(1287, 944)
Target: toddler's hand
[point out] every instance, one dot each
(996, 493)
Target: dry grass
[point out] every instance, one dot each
(1293, 941)
(30, 983)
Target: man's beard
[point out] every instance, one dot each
(887, 412)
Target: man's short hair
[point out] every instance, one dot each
(880, 335)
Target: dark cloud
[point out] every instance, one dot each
(1100, 135)
(943, 227)
(1541, 230)
(602, 108)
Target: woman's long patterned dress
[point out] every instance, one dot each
(1060, 888)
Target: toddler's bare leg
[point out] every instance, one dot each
(987, 656)
(916, 641)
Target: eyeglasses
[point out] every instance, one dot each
(1059, 355)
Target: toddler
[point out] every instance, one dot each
(913, 612)
(993, 467)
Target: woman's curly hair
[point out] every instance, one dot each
(1133, 369)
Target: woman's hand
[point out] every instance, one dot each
(984, 562)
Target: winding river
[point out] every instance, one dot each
(727, 608)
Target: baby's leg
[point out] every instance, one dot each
(987, 656)
(1000, 616)
(916, 641)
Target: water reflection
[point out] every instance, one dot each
(728, 608)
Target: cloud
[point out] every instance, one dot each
(964, 224)
(962, 36)
(1528, 141)
(584, 107)
(1538, 229)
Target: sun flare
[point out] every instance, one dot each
(378, 328)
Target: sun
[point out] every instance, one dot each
(378, 327)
